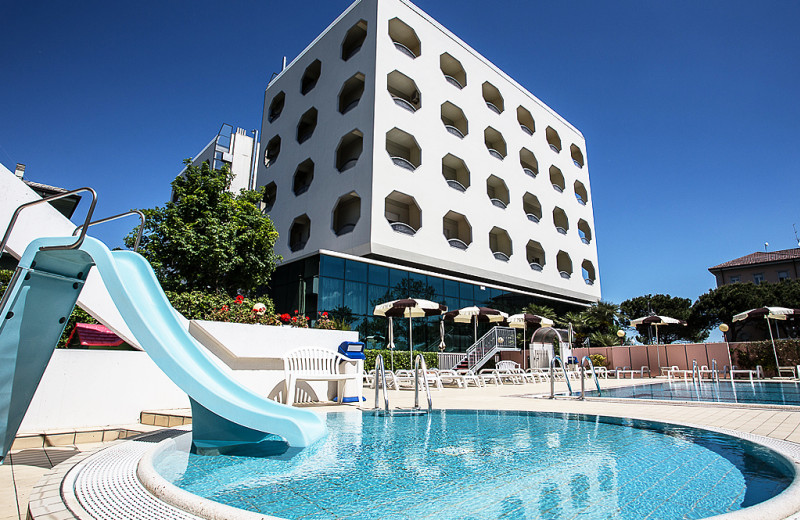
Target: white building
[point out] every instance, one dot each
(236, 149)
(398, 160)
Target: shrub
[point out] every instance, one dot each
(198, 305)
(402, 361)
(5, 277)
(598, 360)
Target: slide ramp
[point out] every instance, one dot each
(224, 411)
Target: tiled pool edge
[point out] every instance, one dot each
(55, 494)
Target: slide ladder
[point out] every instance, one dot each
(39, 300)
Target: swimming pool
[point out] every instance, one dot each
(490, 464)
(775, 393)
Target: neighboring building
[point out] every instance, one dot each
(758, 267)
(236, 149)
(66, 206)
(395, 155)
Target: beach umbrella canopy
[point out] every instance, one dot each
(409, 308)
(521, 321)
(775, 313)
(657, 321)
(474, 315)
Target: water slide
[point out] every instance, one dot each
(42, 294)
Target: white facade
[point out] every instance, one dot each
(236, 149)
(401, 199)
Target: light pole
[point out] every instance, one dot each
(621, 336)
(723, 328)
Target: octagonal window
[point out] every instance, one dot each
(349, 150)
(584, 231)
(560, 220)
(557, 179)
(404, 91)
(405, 39)
(455, 172)
(532, 207)
(403, 213)
(535, 255)
(457, 230)
(495, 143)
(577, 155)
(493, 98)
(564, 265)
(454, 120)
(276, 106)
(299, 233)
(354, 39)
(530, 166)
(306, 126)
(346, 213)
(403, 149)
(553, 139)
(580, 193)
(500, 244)
(310, 77)
(351, 93)
(303, 176)
(525, 120)
(589, 274)
(272, 150)
(497, 191)
(453, 71)
(268, 199)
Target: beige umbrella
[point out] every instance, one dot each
(409, 308)
(521, 321)
(775, 313)
(657, 321)
(474, 315)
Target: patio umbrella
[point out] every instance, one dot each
(775, 313)
(521, 321)
(409, 308)
(474, 315)
(657, 321)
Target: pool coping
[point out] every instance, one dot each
(57, 488)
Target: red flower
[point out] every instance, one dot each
(285, 318)
(325, 314)
(296, 311)
(239, 299)
(224, 308)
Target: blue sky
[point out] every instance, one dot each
(690, 109)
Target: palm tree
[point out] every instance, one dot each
(541, 310)
(604, 316)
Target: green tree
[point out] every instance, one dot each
(208, 238)
(696, 330)
(541, 310)
(603, 317)
(720, 305)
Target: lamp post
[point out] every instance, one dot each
(723, 328)
(621, 336)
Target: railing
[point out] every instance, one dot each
(483, 349)
(558, 188)
(403, 163)
(536, 266)
(402, 227)
(348, 164)
(580, 200)
(448, 360)
(350, 106)
(352, 51)
(496, 154)
(588, 281)
(404, 103)
(529, 171)
(456, 185)
(501, 256)
(458, 244)
(555, 148)
(576, 163)
(587, 359)
(115, 217)
(493, 107)
(553, 376)
(453, 81)
(532, 217)
(420, 362)
(455, 131)
(565, 275)
(405, 50)
(585, 240)
(380, 370)
(499, 203)
(85, 225)
(561, 230)
(526, 129)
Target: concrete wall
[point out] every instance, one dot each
(652, 356)
(92, 388)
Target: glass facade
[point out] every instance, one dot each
(350, 289)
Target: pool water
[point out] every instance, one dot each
(777, 393)
(490, 464)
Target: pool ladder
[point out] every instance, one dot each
(380, 377)
(584, 360)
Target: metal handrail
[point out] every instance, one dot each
(553, 379)
(115, 217)
(417, 362)
(77, 243)
(714, 371)
(583, 376)
(379, 363)
(696, 368)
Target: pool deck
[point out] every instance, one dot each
(27, 464)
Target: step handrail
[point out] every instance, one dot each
(115, 217)
(553, 378)
(584, 360)
(77, 243)
(382, 372)
(417, 362)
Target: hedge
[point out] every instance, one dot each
(401, 359)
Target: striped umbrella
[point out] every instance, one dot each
(775, 313)
(474, 315)
(409, 308)
(521, 321)
(657, 321)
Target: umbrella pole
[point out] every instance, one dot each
(475, 332)
(410, 344)
(524, 329)
(774, 350)
(658, 354)
(391, 342)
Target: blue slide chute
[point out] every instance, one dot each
(41, 297)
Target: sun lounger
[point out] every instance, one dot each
(316, 364)
(461, 380)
